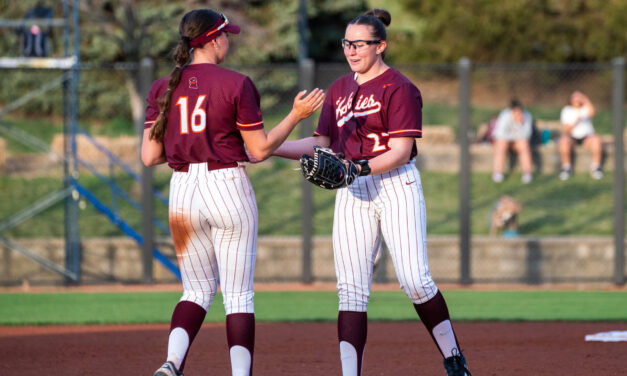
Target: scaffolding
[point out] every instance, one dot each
(69, 67)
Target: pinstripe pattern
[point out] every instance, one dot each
(392, 202)
(213, 219)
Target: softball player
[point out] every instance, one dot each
(372, 115)
(211, 113)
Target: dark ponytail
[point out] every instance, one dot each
(192, 24)
(181, 57)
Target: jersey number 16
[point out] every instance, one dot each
(198, 121)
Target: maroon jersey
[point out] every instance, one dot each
(361, 119)
(209, 108)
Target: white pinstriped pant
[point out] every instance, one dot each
(213, 220)
(393, 202)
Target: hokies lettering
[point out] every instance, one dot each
(364, 107)
(342, 106)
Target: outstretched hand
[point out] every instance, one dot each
(305, 106)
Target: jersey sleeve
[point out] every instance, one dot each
(249, 107)
(152, 104)
(405, 112)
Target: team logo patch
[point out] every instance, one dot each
(193, 83)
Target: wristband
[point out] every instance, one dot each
(365, 167)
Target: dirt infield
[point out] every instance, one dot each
(492, 348)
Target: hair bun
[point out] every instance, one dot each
(382, 14)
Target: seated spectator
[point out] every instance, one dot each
(513, 129)
(34, 39)
(577, 128)
(485, 132)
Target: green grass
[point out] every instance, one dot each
(579, 206)
(298, 306)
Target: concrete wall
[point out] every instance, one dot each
(445, 158)
(522, 260)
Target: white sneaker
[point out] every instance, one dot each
(497, 177)
(526, 178)
(596, 174)
(564, 175)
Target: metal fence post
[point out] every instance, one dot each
(618, 121)
(306, 81)
(146, 76)
(73, 256)
(464, 68)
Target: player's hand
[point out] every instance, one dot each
(304, 106)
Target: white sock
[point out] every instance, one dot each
(348, 356)
(177, 346)
(240, 360)
(443, 333)
(566, 166)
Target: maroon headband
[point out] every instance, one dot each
(214, 32)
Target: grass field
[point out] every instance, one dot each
(579, 206)
(299, 306)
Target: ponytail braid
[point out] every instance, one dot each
(192, 24)
(181, 56)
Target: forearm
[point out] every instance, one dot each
(590, 111)
(568, 128)
(387, 161)
(279, 134)
(294, 149)
(262, 145)
(152, 151)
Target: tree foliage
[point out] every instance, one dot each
(513, 30)
(435, 31)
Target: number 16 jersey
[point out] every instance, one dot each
(208, 109)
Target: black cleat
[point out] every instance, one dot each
(168, 369)
(456, 365)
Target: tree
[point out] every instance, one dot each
(122, 31)
(514, 30)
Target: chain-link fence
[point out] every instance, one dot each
(550, 207)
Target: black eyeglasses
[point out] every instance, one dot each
(358, 45)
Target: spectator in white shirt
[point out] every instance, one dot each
(576, 120)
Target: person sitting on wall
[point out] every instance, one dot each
(577, 128)
(513, 129)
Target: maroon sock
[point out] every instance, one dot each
(352, 327)
(433, 312)
(188, 316)
(240, 331)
